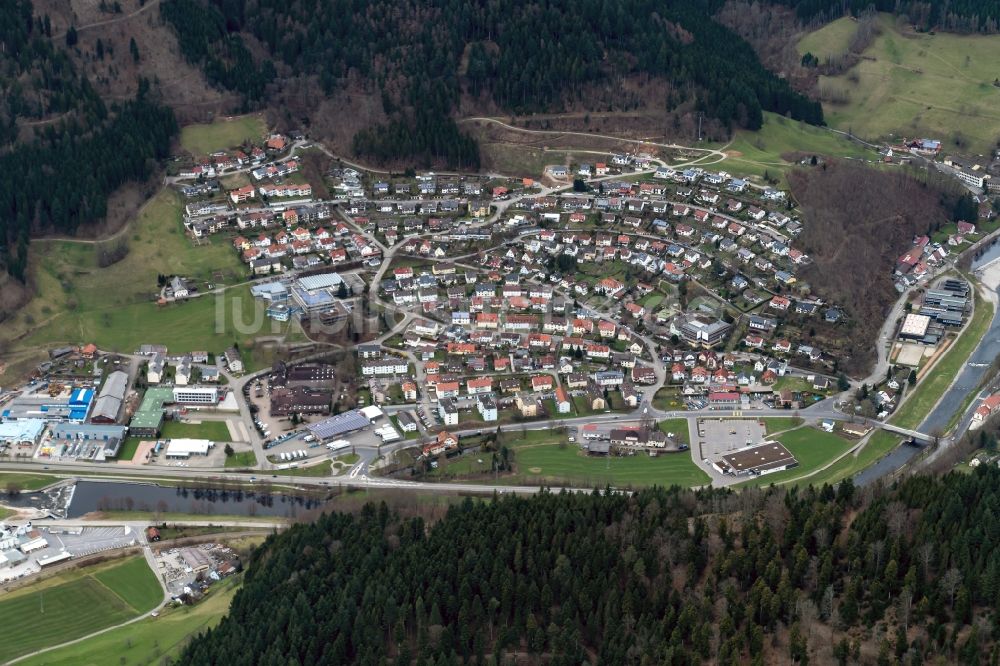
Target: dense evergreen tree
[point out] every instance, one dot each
(661, 576)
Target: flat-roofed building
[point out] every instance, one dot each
(760, 459)
(196, 395)
(914, 326)
(185, 448)
(21, 434)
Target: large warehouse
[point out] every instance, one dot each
(109, 401)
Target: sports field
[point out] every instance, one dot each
(812, 447)
(149, 641)
(878, 446)
(208, 138)
(74, 604)
(936, 85)
(556, 464)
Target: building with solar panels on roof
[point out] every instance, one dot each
(339, 425)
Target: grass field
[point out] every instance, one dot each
(77, 301)
(668, 398)
(754, 153)
(217, 431)
(149, 641)
(26, 481)
(128, 448)
(813, 448)
(208, 138)
(780, 423)
(832, 39)
(241, 459)
(679, 428)
(74, 604)
(878, 445)
(909, 84)
(926, 394)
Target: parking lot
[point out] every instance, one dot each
(717, 437)
(81, 541)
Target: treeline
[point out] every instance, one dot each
(661, 576)
(954, 15)
(63, 178)
(421, 56)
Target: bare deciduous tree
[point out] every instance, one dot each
(949, 583)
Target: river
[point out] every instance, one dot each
(968, 379)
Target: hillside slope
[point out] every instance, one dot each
(905, 83)
(421, 59)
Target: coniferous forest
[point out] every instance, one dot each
(903, 575)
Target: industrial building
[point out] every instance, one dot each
(307, 374)
(109, 401)
(71, 405)
(110, 436)
(23, 434)
(300, 400)
(148, 419)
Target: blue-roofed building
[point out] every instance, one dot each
(73, 408)
(312, 301)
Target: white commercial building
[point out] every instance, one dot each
(185, 448)
(372, 413)
(196, 395)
